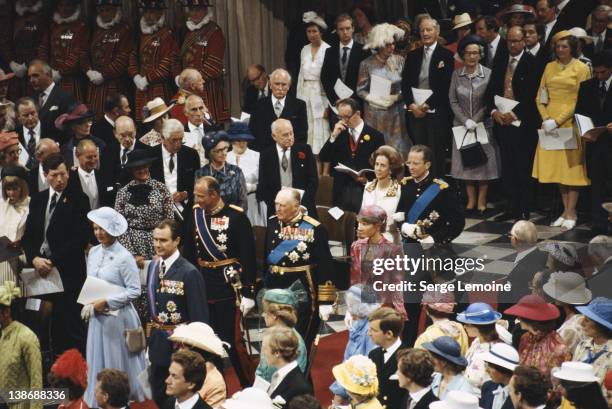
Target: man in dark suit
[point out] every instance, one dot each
(516, 78)
(386, 325)
(414, 370)
(342, 60)
(52, 100)
(175, 164)
(115, 106)
(488, 30)
(595, 102)
(288, 164)
(186, 376)
(198, 122)
(278, 105)
(29, 130)
(37, 182)
(351, 143)
(85, 178)
(547, 15)
(176, 294)
(430, 67)
(602, 35)
(500, 363)
(534, 36)
(258, 87)
(56, 234)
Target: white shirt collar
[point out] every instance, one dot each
(431, 48)
(534, 50)
(561, 6)
(110, 121)
(417, 396)
(53, 191)
(282, 372)
(349, 45)
(170, 260)
(48, 90)
(522, 254)
(608, 81)
(359, 129)
(280, 149)
(189, 403)
(517, 57)
(391, 350)
(165, 153)
(282, 101)
(549, 26)
(193, 127)
(26, 132)
(495, 42)
(85, 174)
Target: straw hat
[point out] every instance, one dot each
(581, 34)
(199, 335)
(575, 372)
(110, 220)
(568, 287)
(461, 20)
(154, 109)
(442, 302)
(357, 375)
(503, 355)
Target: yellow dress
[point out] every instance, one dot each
(566, 166)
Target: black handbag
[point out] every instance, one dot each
(473, 154)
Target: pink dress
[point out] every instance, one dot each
(545, 351)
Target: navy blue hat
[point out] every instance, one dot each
(14, 170)
(467, 40)
(479, 313)
(239, 131)
(447, 348)
(599, 310)
(212, 139)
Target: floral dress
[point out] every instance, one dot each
(231, 181)
(545, 351)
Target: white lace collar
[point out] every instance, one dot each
(147, 29)
(191, 26)
(74, 17)
(111, 23)
(20, 9)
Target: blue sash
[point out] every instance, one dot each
(285, 246)
(422, 202)
(207, 241)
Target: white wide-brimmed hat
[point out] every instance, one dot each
(581, 33)
(575, 372)
(249, 398)
(457, 400)
(568, 287)
(502, 354)
(461, 20)
(110, 220)
(199, 335)
(154, 109)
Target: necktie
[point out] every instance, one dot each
(512, 65)
(285, 160)
(171, 164)
(352, 133)
(278, 108)
(31, 148)
(41, 99)
(124, 157)
(162, 270)
(424, 73)
(53, 203)
(344, 55)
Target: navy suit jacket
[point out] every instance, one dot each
(486, 399)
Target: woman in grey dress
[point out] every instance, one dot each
(467, 99)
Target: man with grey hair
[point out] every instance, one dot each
(600, 250)
(37, 182)
(199, 122)
(278, 105)
(287, 164)
(116, 154)
(86, 178)
(175, 165)
(599, 31)
(190, 82)
(51, 99)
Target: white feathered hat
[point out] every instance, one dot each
(383, 34)
(312, 17)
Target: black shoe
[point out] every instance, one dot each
(505, 216)
(524, 216)
(482, 213)
(470, 212)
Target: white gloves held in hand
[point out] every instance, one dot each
(20, 70)
(409, 230)
(87, 312)
(95, 77)
(325, 311)
(246, 305)
(141, 82)
(399, 217)
(470, 125)
(549, 125)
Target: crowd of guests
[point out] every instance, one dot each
(120, 168)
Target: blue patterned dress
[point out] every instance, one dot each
(232, 183)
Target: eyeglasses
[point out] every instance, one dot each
(220, 150)
(16, 152)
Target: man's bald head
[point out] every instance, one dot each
(125, 131)
(44, 148)
(191, 80)
(257, 76)
(87, 155)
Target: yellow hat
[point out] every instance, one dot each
(8, 292)
(560, 35)
(357, 375)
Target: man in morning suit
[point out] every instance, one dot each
(175, 164)
(297, 247)
(415, 368)
(86, 179)
(545, 9)
(351, 143)
(185, 378)
(37, 181)
(595, 102)
(115, 106)
(430, 67)
(385, 327)
(601, 33)
(488, 30)
(287, 164)
(219, 238)
(278, 105)
(516, 78)
(29, 129)
(258, 87)
(342, 60)
(52, 100)
(56, 234)
(534, 36)
(176, 294)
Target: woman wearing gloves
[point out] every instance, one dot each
(110, 318)
(556, 101)
(467, 100)
(384, 113)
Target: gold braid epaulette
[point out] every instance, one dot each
(238, 208)
(406, 180)
(443, 184)
(312, 221)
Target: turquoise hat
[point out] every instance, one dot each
(280, 296)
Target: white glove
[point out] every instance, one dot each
(427, 242)
(325, 311)
(87, 311)
(20, 70)
(409, 230)
(57, 77)
(176, 81)
(141, 82)
(95, 77)
(348, 320)
(399, 217)
(549, 125)
(246, 305)
(470, 125)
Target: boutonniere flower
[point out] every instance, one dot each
(65, 200)
(366, 137)
(441, 65)
(301, 155)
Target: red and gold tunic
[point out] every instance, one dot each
(62, 47)
(204, 50)
(155, 60)
(108, 53)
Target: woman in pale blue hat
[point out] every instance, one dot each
(479, 321)
(280, 308)
(110, 318)
(248, 161)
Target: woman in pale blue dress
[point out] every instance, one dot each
(106, 345)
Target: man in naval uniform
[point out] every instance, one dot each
(176, 295)
(297, 248)
(430, 215)
(219, 238)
